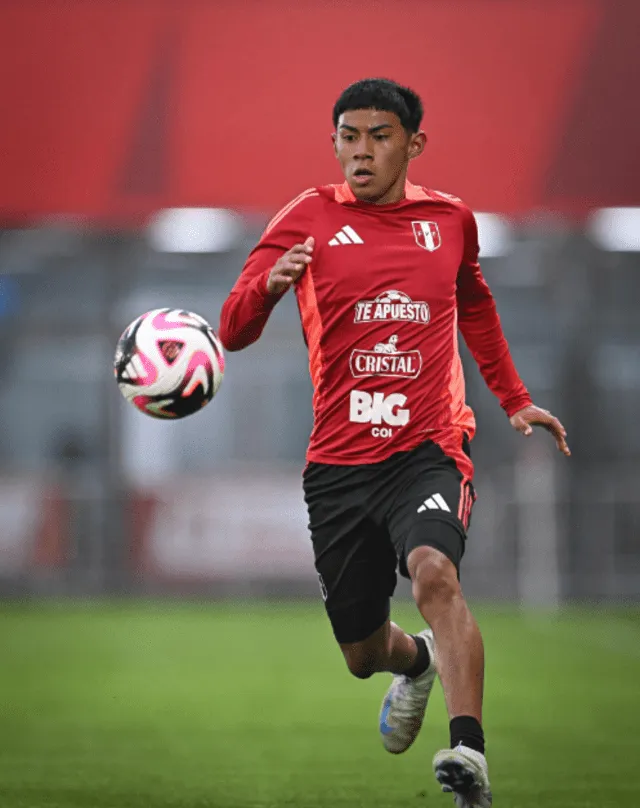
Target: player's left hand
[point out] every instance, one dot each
(531, 416)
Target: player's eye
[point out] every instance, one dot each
(381, 137)
(349, 138)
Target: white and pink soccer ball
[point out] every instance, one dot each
(169, 363)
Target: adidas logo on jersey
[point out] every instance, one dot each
(345, 236)
(434, 503)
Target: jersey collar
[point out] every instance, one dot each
(412, 193)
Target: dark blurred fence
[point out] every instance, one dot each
(96, 498)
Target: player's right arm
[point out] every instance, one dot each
(274, 265)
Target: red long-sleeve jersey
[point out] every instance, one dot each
(380, 305)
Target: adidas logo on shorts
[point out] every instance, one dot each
(434, 503)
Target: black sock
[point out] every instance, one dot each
(466, 730)
(422, 659)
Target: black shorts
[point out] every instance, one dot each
(365, 520)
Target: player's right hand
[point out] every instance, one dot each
(290, 267)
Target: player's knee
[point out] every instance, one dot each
(362, 662)
(361, 670)
(433, 575)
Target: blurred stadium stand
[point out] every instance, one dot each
(94, 497)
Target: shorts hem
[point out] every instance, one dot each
(441, 546)
(348, 630)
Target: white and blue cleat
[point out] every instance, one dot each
(463, 772)
(405, 704)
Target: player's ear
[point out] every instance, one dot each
(334, 139)
(417, 144)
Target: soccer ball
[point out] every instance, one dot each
(169, 363)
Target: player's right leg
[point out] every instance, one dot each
(411, 658)
(405, 702)
(387, 649)
(356, 564)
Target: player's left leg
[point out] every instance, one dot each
(428, 525)
(437, 593)
(462, 769)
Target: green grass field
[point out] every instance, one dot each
(250, 706)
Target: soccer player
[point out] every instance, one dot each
(385, 273)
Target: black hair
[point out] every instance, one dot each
(382, 94)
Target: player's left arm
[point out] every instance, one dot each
(480, 325)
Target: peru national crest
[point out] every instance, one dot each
(427, 235)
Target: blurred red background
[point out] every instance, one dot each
(116, 109)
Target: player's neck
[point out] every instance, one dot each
(397, 193)
(391, 198)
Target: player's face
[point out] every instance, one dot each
(374, 150)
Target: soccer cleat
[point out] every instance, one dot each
(463, 772)
(405, 704)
